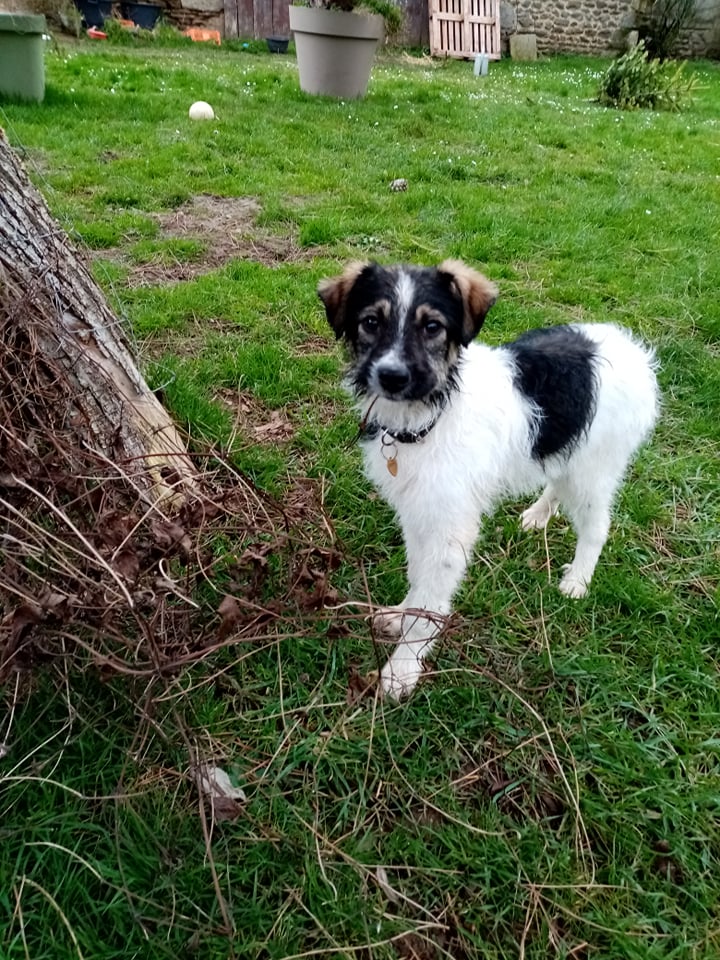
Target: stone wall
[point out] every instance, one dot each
(702, 39)
(207, 14)
(601, 26)
(577, 26)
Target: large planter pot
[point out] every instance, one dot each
(143, 15)
(335, 50)
(22, 69)
(277, 44)
(94, 12)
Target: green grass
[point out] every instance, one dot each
(554, 789)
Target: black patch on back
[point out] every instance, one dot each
(555, 368)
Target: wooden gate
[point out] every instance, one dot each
(464, 28)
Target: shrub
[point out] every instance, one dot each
(636, 81)
(163, 35)
(661, 26)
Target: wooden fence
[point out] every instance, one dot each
(257, 18)
(464, 28)
(270, 18)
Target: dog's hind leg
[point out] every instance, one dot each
(592, 534)
(537, 516)
(589, 513)
(438, 552)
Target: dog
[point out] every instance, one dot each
(450, 426)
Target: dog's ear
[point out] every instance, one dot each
(334, 294)
(477, 293)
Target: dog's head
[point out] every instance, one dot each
(406, 326)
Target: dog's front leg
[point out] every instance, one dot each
(419, 629)
(437, 556)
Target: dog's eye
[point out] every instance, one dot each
(370, 324)
(433, 328)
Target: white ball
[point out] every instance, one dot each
(201, 111)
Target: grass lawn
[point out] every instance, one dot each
(553, 789)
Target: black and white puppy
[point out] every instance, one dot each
(451, 426)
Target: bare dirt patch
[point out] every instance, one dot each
(188, 342)
(253, 419)
(533, 795)
(312, 346)
(228, 230)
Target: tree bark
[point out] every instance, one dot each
(66, 363)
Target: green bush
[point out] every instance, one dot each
(163, 35)
(635, 81)
(388, 11)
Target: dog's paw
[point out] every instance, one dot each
(572, 585)
(388, 622)
(537, 516)
(399, 677)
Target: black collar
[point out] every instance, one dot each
(371, 430)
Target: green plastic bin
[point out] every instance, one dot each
(22, 68)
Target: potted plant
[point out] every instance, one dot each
(336, 40)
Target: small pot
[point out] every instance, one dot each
(277, 44)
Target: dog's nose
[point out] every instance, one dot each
(393, 379)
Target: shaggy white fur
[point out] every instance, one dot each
(480, 449)
(478, 453)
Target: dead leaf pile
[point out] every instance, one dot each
(138, 590)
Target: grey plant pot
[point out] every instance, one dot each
(22, 68)
(335, 50)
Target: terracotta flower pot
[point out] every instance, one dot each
(335, 50)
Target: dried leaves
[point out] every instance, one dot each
(230, 615)
(224, 798)
(360, 687)
(138, 587)
(87, 567)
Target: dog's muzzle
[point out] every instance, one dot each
(393, 380)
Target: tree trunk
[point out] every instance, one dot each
(66, 371)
